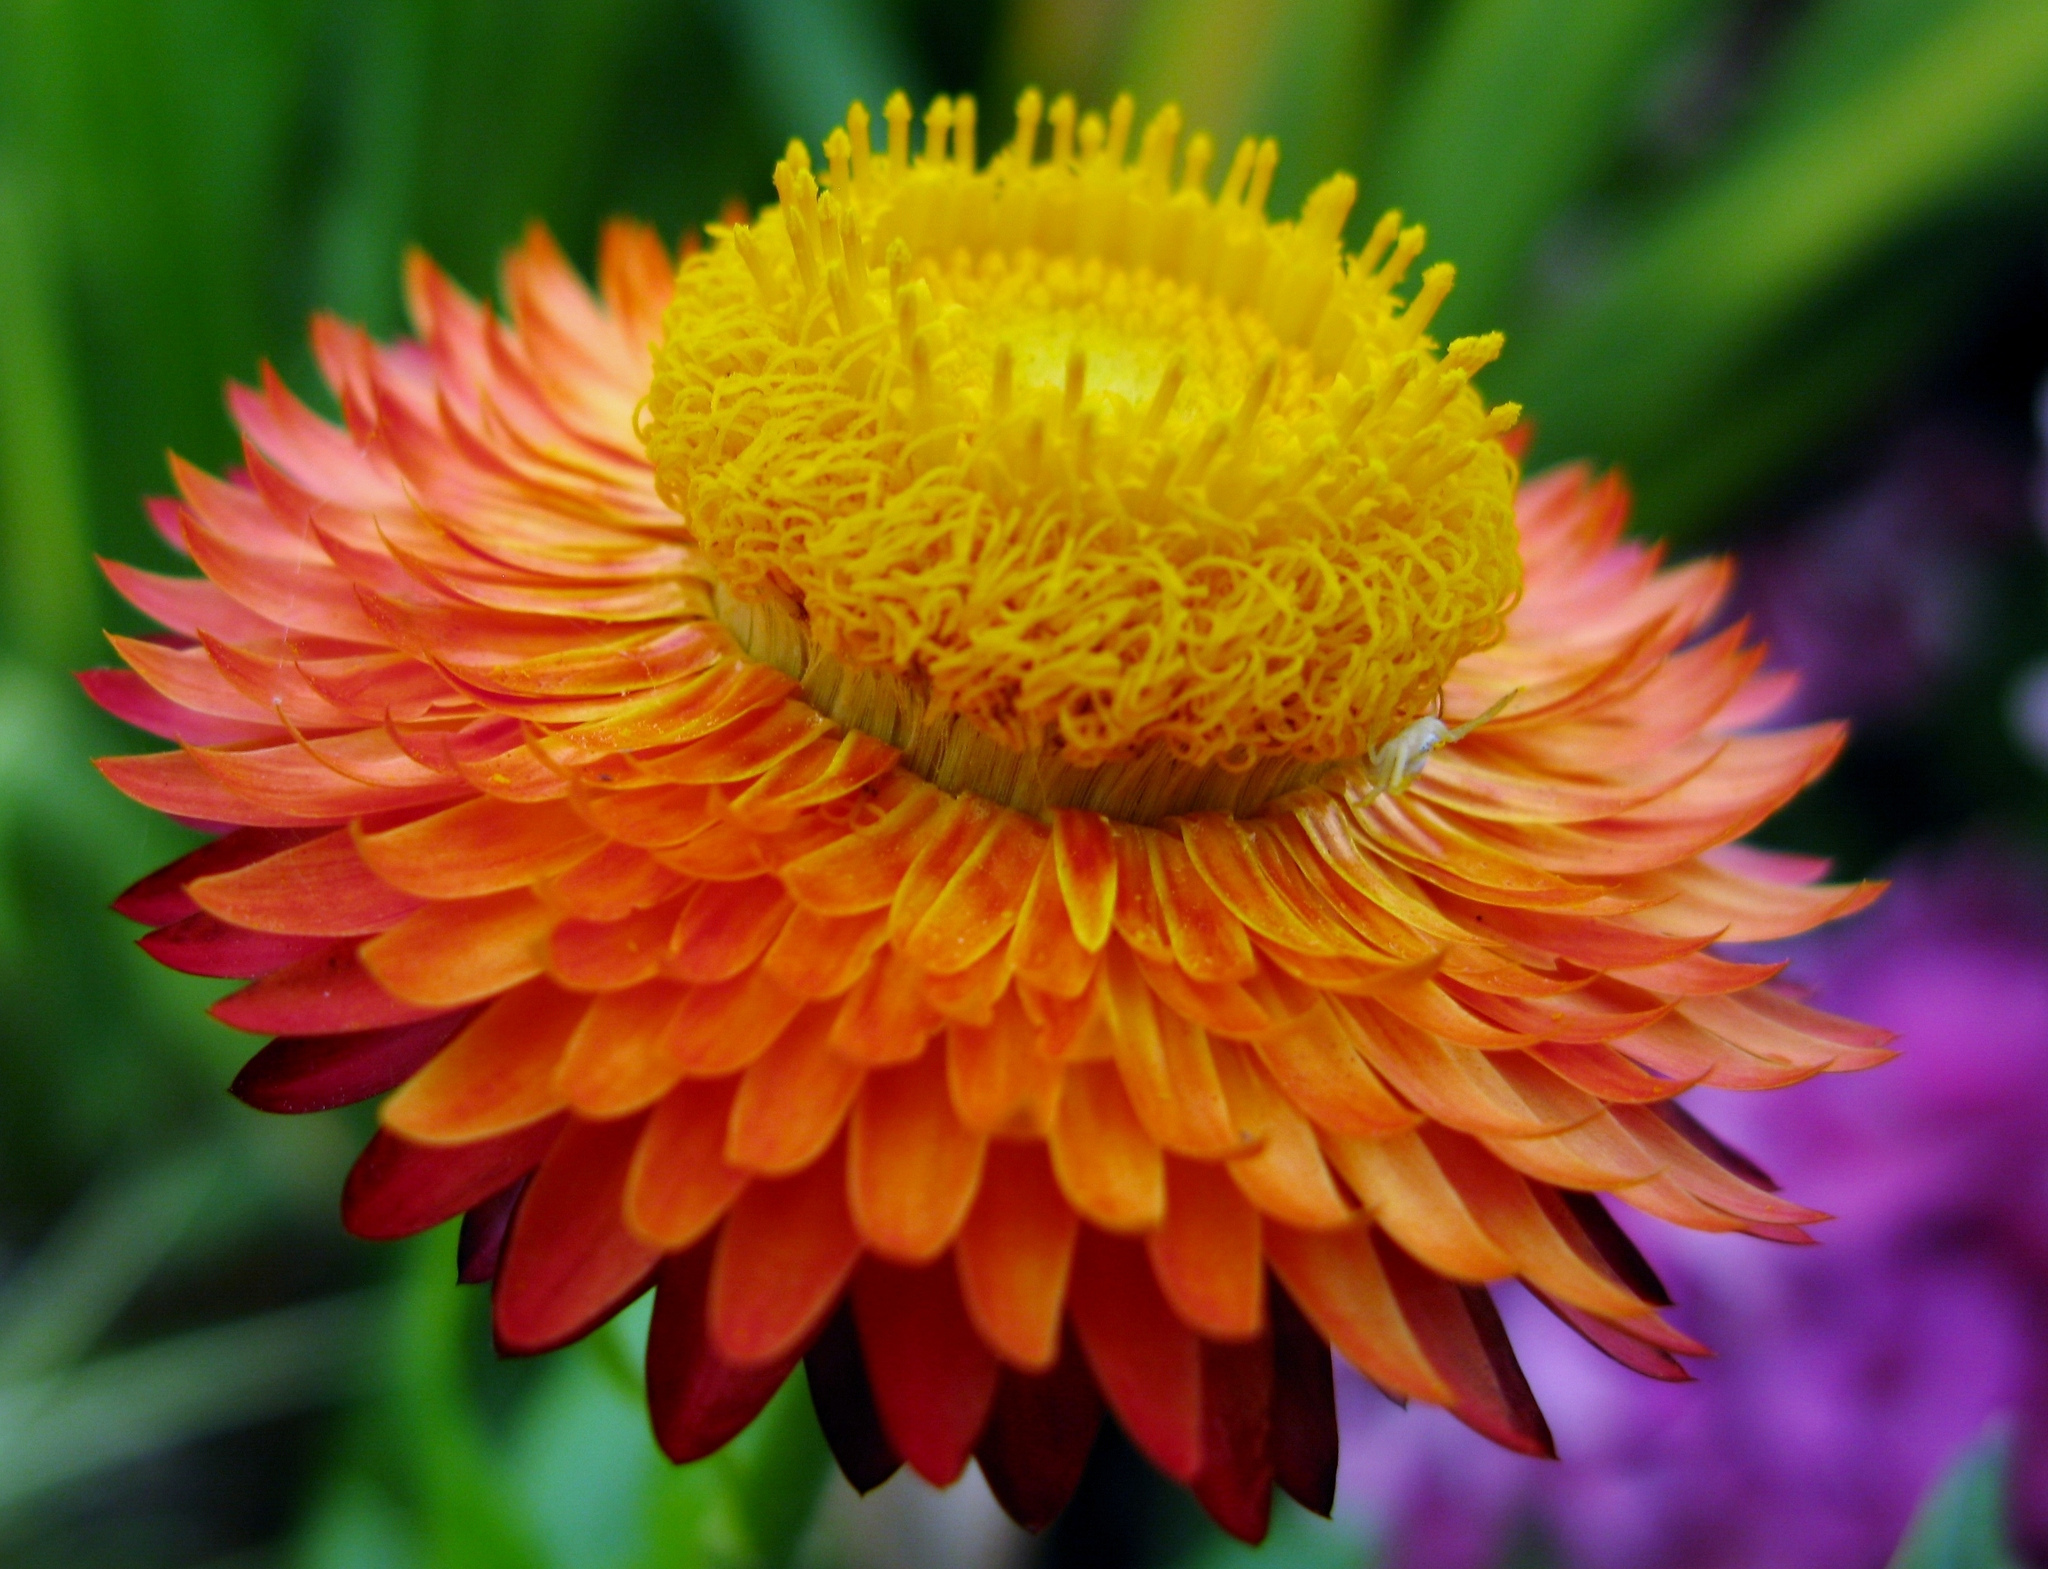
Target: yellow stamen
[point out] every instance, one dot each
(1102, 490)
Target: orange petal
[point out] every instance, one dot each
(651, 817)
(319, 889)
(570, 1262)
(1603, 1072)
(783, 1257)
(497, 1075)
(1014, 1255)
(723, 1028)
(176, 784)
(793, 1099)
(1044, 949)
(680, 1184)
(611, 884)
(1208, 941)
(862, 871)
(1207, 1255)
(480, 847)
(1599, 1154)
(1107, 1165)
(724, 928)
(886, 1018)
(978, 905)
(1138, 918)
(1167, 1068)
(1147, 1362)
(1317, 1059)
(449, 954)
(932, 1377)
(1338, 1281)
(1287, 1177)
(1457, 1086)
(912, 1170)
(819, 956)
(1225, 852)
(1000, 1082)
(1226, 1009)
(953, 838)
(970, 996)
(747, 747)
(1502, 1202)
(619, 1059)
(603, 956)
(1085, 855)
(1401, 1185)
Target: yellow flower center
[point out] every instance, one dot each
(1084, 486)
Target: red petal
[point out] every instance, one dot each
(1460, 1331)
(1235, 1483)
(1146, 1361)
(698, 1402)
(203, 945)
(783, 1256)
(931, 1375)
(397, 1189)
(302, 1073)
(329, 994)
(571, 1263)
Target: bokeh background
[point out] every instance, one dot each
(1783, 261)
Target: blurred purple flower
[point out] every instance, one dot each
(1849, 1374)
(1904, 560)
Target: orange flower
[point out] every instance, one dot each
(911, 817)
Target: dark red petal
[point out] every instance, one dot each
(1460, 1331)
(480, 1245)
(301, 1073)
(1614, 1246)
(1614, 1340)
(204, 945)
(1145, 1360)
(1709, 1144)
(160, 898)
(931, 1375)
(397, 1189)
(1040, 1430)
(698, 1403)
(845, 1404)
(570, 1262)
(1235, 1483)
(1304, 1441)
(329, 994)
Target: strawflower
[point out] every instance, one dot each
(990, 784)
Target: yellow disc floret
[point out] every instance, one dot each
(1111, 470)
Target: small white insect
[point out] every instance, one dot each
(1398, 763)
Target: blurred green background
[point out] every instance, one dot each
(1734, 245)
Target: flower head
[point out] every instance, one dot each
(969, 859)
